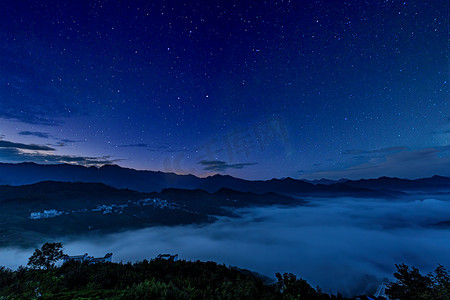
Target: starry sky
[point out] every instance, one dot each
(253, 89)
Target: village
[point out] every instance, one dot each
(108, 208)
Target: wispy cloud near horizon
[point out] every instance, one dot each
(218, 165)
(8, 144)
(382, 150)
(39, 134)
(46, 135)
(19, 152)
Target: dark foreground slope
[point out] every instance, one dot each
(156, 279)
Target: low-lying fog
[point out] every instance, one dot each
(346, 245)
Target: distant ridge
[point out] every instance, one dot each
(156, 181)
(392, 183)
(325, 181)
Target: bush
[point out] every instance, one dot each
(152, 289)
(411, 285)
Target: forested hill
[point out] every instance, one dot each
(31, 214)
(155, 279)
(169, 279)
(166, 277)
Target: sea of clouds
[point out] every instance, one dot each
(341, 244)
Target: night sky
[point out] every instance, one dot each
(254, 89)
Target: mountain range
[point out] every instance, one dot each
(155, 181)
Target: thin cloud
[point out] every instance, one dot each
(360, 158)
(153, 148)
(382, 150)
(28, 118)
(8, 144)
(133, 146)
(18, 152)
(218, 165)
(39, 134)
(442, 131)
(81, 160)
(45, 135)
(166, 148)
(17, 155)
(69, 141)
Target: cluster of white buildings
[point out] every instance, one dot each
(156, 202)
(108, 209)
(118, 208)
(46, 214)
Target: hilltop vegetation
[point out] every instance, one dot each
(170, 279)
(155, 279)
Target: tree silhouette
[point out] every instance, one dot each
(410, 284)
(441, 280)
(292, 288)
(47, 256)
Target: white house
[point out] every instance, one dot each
(48, 213)
(168, 257)
(89, 259)
(35, 215)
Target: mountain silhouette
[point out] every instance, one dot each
(156, 181)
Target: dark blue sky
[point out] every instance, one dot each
(255, 89)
